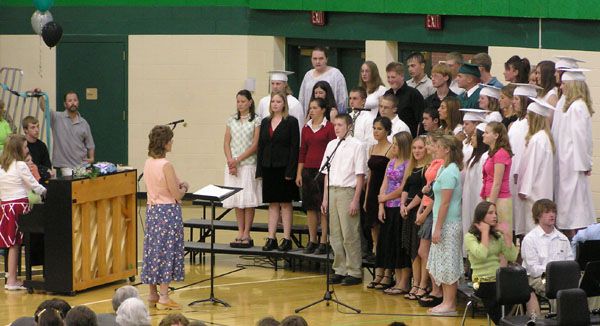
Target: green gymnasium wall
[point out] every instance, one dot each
(243, 20)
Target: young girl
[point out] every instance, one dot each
(496, 171)
(451, 118)
(379, 157)
(516, 70)
(445, 259)
(487, 240)
(323, 90)
(472, 178)
(316, 134)
(15, 181)
(574, 153)
(536, 170)
(488, 100)
(370, 80)
(240, 144)
(506, 105)
(389, 253)
(546, 80)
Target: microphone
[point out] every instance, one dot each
(176, 122)
(359, 110)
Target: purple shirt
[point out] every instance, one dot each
(394, 178)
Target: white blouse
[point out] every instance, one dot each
(17, 181)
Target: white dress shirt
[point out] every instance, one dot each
(397, 126)
(539, 248)
(349, 160)
(17, 181)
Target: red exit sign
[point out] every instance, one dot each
(317, 18)
(433, 22)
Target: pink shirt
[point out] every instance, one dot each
(156, 183)
(500, 157)
(430, 174)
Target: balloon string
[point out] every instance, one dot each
(40, 71)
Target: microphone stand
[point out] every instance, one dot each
(327, 297)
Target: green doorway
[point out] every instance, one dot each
(95, 67)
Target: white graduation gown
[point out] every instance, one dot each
(493, 116)
(516, 137)
(574, 196)
(473, 182)
(293, 104)
(536, 178)
(557, 118)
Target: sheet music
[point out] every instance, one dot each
(214, 191)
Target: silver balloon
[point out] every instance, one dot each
(39, 19)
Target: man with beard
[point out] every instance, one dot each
(73, 141)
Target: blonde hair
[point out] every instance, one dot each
(13, 151)
(285, 110)
(577, 90)
(494, 104)
(403, 140)
(537, 123)
(413, 163)
(502, 140)
(454, 146)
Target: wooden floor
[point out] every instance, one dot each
(253, 292)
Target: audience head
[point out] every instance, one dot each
(544, 212)
(485, 212)
(441, 75)
(395, 74)
(133, 312)
(516, 70)
(416, 64)
(245, 104)
(496, 137)
(318, 58)
(268, 321)
(388, 105)
(450, 113)
(15, 149)
(279, 105)
(382, 127)
(401, 145)
(81, 316)
(49, 317)
(175, 319)
(397, 323)
(197, 323)
(454, 60)
(450, 150)
(123, 293)
(483, 61)
(294, 320)
(323, 90)
(71, 101)
(160, 137)
(431, 119)
(341, 124)
(357, 97)
(369, 77)
(57, 304)
(31, 127)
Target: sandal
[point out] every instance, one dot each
(384, 286)
(412, 295)
(430, 301)
(395, 291)
(236, 243)
(374, 283)
(246, 243)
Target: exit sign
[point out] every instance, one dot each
(433, 22)
(317, 18)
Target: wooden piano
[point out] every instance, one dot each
(89, 229)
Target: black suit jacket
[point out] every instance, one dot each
(281, 150)
(410, 106)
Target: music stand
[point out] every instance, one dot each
(214, 199)
(590, 282)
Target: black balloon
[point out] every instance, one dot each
(51, 33)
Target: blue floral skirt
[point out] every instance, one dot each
(163, 244)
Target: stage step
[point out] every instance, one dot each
(201, 223)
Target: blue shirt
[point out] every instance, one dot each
(495, 82)
(448, 178)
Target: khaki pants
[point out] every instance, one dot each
(344, 233)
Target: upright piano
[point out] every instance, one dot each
(89, 231)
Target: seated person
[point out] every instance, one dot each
(81, 316)
(543, 244)
(485, 241)
(133, 312)
(174, 319)
(121, 294)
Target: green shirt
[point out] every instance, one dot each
(5, 130)
(485, 260)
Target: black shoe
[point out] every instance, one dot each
(285, 245)
(271, 244)
(336, 279)
(322, 249)
(310, 247)
(351, 280)
(370, 257)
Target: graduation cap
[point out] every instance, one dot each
(524, 89)
(482, 126)
(574, 74)
(474, 114)
(469, 69)
(280, 75)
(565, 62)
(540, 107)
(489, 90)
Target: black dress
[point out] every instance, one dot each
(410, 239)
(377, 165)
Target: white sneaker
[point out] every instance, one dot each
(14, 287)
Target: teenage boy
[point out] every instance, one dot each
(37, 148)
(344, 180)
